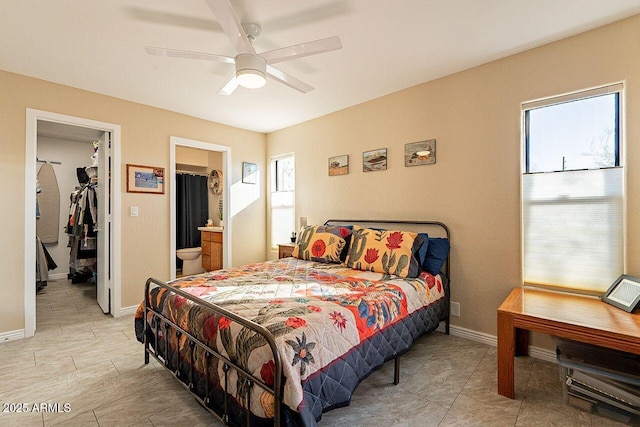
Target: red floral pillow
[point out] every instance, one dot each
(384, 251)
(321, 243)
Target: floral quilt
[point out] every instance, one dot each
(326, 320)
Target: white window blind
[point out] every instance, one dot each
(573, 228)
(573, 190)
(282, 199)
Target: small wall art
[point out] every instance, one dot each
(339, 165)
(145, 179)
(420, 153)
(249, 172)
(374, 160)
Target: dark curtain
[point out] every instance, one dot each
(192, 209)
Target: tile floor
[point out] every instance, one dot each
(93, 363)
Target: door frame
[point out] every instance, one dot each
(31, 143)
(226, 188)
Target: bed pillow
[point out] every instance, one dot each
(345, 231)
(436, 255)
(420, 246)
(321, 243)
(386, 251)
(422, 252)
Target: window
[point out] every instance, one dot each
(572, 191)
(282, 199)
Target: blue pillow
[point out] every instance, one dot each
(437, 252)
(422, 253)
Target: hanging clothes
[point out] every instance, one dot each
(42, 270)
(38, 191)
(48, 205)
(81, 228)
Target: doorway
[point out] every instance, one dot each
(225, 151)
(108, 216)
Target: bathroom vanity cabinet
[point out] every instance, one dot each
(211, 250)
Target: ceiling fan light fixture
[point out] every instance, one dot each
(251, 79)
(251, 71)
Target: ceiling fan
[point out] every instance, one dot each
(251, 67)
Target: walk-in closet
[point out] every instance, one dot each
(67, 222)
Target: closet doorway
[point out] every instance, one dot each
(50, 138)
(206, 147)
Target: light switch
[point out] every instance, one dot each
(134, 211)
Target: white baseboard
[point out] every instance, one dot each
(124, 311)
(11, 335)
(480, 337)
(543, 354)
(492, 340)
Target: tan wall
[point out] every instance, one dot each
(475, 185)
(203, 161)
(145, 140)
(192, 157)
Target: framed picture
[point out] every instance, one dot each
(145, 179)
(420, 153)
(624, 293)
(249, 172)
(339, 165)
(374, 160)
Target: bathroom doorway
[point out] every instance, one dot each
(218, 206)
(108, 218)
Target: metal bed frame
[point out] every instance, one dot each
(162, 325)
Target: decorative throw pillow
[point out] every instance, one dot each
(436, 255)
(321, 243)
(422, 252)
(384, 251)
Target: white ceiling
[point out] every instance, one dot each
(97, 45)
(68, 132)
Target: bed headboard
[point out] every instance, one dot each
(433, 228)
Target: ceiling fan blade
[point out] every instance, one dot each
(302, 50)
(230, 86)
(230, 23)
(177, 53)
(288, 79)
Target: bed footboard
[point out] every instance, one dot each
(160, 349)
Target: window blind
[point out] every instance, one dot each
(573, 228)
(282, 202)
(282, 216)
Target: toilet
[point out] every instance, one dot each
(191, 260)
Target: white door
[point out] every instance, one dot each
(104, 222)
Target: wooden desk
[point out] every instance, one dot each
(576, 317)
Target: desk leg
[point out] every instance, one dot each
(506, 353)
